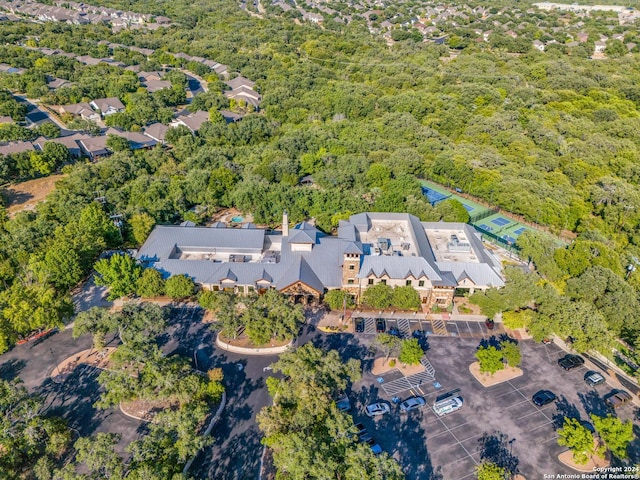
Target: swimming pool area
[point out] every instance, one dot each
(237, 219)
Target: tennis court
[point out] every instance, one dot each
(509, 239)
(500, 221)
(434, 192)
(520, 231)
(485, 227)
(434, 196)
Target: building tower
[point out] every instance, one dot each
(285, 224)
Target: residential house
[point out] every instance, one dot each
(156, 131)
(245, 94)
(56, 83)
(82, 110)
(192, 121)
(12, 148)
(108, 106)
(152, 81)
(94, 147)
(4, 119)
(538, 45)
(70, 141)
(137, 140)
(599, 46)
(231, 117)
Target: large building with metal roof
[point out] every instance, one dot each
(435, 258)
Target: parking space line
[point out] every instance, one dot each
(458, 441)
(528, 414)
(523, 396)
(469, 327)
(539, 426)
(516, 404)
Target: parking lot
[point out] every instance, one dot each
(406, 326)
(498, 423)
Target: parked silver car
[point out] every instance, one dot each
(376, 409)
(412, 403)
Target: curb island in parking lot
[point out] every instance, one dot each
(504, 375)
(252, 351)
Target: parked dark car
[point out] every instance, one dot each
(361, 429)
(381, 325)
(569, 362)
(490, 324)
(618, 399)
(359, 325)
(395, 332)
(543, 397)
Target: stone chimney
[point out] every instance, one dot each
(285, 224)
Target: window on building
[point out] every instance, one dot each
(421, 283)
(350, 281)
(352, 267)
(371, 281)
(251, 289)
(408, 283)
(383, 281)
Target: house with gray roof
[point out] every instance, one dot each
(12, 148)
(108, 106)
(396, 249)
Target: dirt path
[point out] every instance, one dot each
(26, 195)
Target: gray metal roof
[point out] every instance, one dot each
(480, 274)
(300, 271)
(398, 267)
(164, 239)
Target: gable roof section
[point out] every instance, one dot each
(301, 237)
(300, 271)
(480, 274)
(400, 267)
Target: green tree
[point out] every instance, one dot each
(511, 353)
(179, 287)
(490, 471)
(406, 298)
(388, 344)
(410, 352)
(338, 299)
(452, 211)
(99, 456)
(578, 439)
(116, 143)
(271, 316)
(490, 359)
(616, 434)
(150, 283)
(378, 296)
(141, 226)
(120, 272)
(55, 153)
(98, 322)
